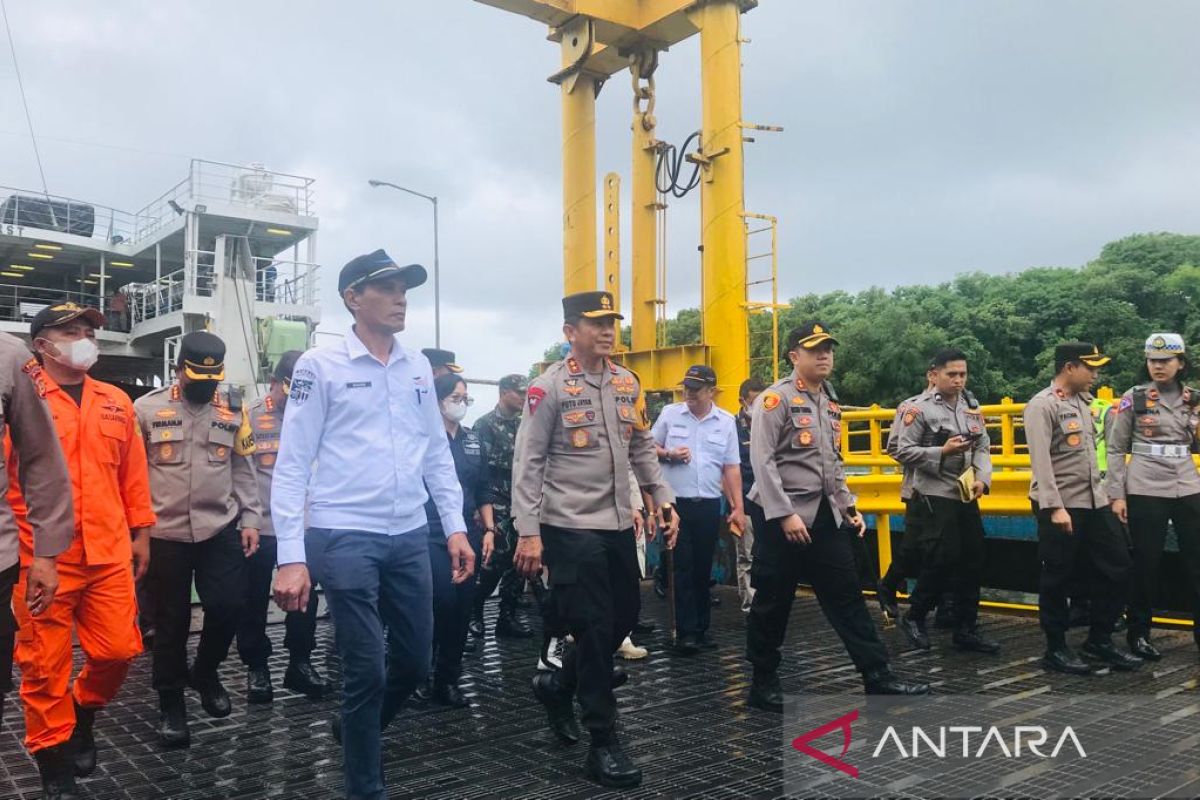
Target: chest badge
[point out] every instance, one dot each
(1073, 440)
(579, 438)
(805, 438)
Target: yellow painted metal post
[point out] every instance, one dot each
(883, 529)
(612, 240)
(723, 290)
(644, 231)
(579, 184)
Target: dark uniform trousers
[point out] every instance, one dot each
(8, 626)
(500, 571)
(595, 597)
(1148, 518)
(219, 568)
(907, 561)
(699, 524)
(300, 627)
(828, 566)
(451, 607)
(951, 558)
(1098, 533)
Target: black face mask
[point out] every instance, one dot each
(200, 392)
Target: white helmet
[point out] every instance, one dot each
(1164, 345)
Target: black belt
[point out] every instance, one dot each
(679, 500)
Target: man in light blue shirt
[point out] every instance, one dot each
(698, 444)
(362, 438)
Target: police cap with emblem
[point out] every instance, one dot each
(699, 376)
(809, 335)
(514, 383)
(1164, 345)
(61, 314)
(202, 356)
(374, 266)
(441, 358)
(592, 305)
(1085, 353)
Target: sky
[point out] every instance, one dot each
(921, 139)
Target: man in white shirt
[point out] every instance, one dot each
(362, 438)
(697, 444)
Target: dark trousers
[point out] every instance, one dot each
(372, 580)
(828, 566)
(451, 608)
(906, 561)
(300, 627)
(1148, 517)
(218, 567)
(595, 597)
(699, 523)
(500, 572)
(1098, 533)
(952, 558)
(8, 626)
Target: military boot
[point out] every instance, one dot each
(83, 742)
(172, 723)
(57, 770)
(608, 764)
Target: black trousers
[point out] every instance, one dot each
(1148, 517)
(8, 626)
(594, 597)
(828, 566)
(500, 572)
(219, 569)
(952, 557)
(451, 607)
(907, 560)
(300, 627)
(699, 524)
(1097, 532)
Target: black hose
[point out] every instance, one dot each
(670, 165)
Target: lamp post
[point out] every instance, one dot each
(437, 292)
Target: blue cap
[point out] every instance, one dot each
(374, 266)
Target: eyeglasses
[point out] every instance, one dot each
(465, 400)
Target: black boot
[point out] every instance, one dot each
(765, 691)
(302, 677)
(172, 723)
(424, 692)
(944, 618)
(258, 685)
(83, 742)
(57, 769)
(972, 641)
(511, 626)
(475, 626)
(882, 681)
(1107, 652)
(914, 631)
(888, 603)
(608, 764)
(619, 677)
(213, 697)
(448, 694)
(560, 707)
(1140, 646)
(1061, 658)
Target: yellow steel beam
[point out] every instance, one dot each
(662, 369)
(612, 239)
(644, 229)
(579, 164)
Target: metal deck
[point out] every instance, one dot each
(685, 721)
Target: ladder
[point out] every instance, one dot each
(757, 292)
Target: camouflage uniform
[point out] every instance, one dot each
(499, 435)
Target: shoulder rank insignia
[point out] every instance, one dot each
(770, 401)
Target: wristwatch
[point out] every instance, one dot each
(489, 530)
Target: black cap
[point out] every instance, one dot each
(286, 365)
(1083, 352)
(593, 305)
(514, 383)
(809, 335)
(698, 376)
(441, 358)
(61, 314)
(202, 356)
(377, 265)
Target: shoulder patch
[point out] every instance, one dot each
(911, 414)
(533, 397)
(1126, 403)
(770, 401)
(244, 443)
(34, 370)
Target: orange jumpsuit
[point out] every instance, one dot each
(111, 490)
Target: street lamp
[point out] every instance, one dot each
(437, 292)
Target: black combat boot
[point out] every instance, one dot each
(258, 685)
(765, 691)
(447, 693)
(1061, 658)
(883, 681)
(914, 631)
(57, 769)
(303, 677)
(970, 640)
(1108, 653)
(560, 707)
(172, 723)
(83, 742)
(213, 697)
(1140, 646)
(608, 764)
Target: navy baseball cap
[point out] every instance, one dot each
(374, 266)
(699, 376)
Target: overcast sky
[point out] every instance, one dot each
(922, 139)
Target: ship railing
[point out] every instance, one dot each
(24, 212)
(147, 301)
(20, 303)
(288, 282)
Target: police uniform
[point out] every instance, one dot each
(1155, 426)
(253, 643)
(952, 531)
(579, 434)
(205, 491)
(908, 559)
(795, 442)
(1065, 475)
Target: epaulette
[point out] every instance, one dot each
(1141, 399)
(969, 396)
(831, 392)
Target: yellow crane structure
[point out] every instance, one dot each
(598, 39)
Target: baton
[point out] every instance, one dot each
(669, 561)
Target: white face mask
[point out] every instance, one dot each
(455, 412)
(80, 354)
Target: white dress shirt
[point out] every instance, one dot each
(712, 441)
(376, 436)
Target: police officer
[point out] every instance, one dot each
(442, 361)
(1155, 424)
(801, 486)
(300, 637)
(497, 430)
(943, 440)
(1072, 511)
(581, 431)
(748, 392)
(205, 495)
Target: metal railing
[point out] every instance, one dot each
(20, 303)
(149, 300)
(290, 282)
(23, 212)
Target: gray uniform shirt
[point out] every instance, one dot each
(795, 440)
(927, 423)
(1062, 451)
(201, 475)
(893, 439)
(265, 422)
(579, 437)
(1168, 418)
(41, 467)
